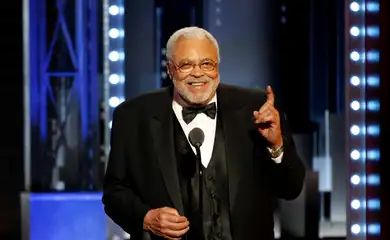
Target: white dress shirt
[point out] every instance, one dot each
(208, 126)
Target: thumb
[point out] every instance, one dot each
(270, 96)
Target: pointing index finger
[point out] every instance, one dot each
(270, 96)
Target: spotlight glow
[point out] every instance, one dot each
(114, 79)
(355, 229)
(355, 56)
(355, 154)
(354, 6)
(113, 56)
(355, 105)
(355, 81)
(113, 33)
(113, 10)
(355, 130)
(355, 179)
(354, 31)
(355, 204)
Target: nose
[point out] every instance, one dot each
(197, 72)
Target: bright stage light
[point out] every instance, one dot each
(355, 229)
(113, 10)
(354, 31)
(355, 179)
(355, 105)
(355, 56)
(355, 81)
(113, 56)
(355, 130)
(355, 154)
(354, 6)
(113, 33)
(355, 204)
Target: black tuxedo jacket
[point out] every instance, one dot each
(142, 172)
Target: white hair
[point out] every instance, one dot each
(190, 33)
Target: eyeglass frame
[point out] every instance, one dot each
(178, 67)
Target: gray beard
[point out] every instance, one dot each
(188, 97)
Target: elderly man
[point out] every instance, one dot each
(154, 187)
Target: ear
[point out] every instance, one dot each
(169, 70)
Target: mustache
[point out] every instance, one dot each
(198, 80)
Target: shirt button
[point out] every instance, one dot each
(214, 195)
(219, 235)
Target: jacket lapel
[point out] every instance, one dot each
(238, 144)
(162, 127)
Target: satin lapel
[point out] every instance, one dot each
(238, 145)
(162, 127)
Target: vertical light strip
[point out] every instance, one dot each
(363, 101)
(114, 60)
(26, 93)
(356, 78)
(372, 130)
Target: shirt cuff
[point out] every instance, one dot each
(278, 159)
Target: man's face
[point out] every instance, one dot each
(194, 70)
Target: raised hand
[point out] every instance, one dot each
(268, 121)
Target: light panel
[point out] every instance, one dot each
(114, 64)
(362, 129)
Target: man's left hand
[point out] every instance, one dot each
(268, 121)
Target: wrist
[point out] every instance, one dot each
(275, 153)
(278, 144)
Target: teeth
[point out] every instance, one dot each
(197, 84)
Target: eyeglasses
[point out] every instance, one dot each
(187, 67)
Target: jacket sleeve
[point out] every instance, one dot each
(121, 204)
(289, 175)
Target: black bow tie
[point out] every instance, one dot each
(190, 113)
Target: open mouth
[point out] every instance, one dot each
(197, 84)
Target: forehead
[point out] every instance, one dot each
(194, 49)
